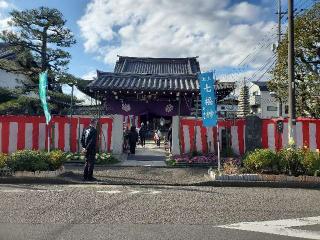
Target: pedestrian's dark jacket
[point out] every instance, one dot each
(89, 139)
(126, 134)
(169, 136)
(133, 136)
(143, 131)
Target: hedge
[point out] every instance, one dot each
(32, 160)
(288, 161)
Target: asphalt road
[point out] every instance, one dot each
(151, 212)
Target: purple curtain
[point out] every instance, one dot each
(134, 107)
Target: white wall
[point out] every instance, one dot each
(117, 134)
(268, 101)
(175, 135)
(12, 80)
(253, 88)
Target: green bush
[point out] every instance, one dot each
(261, 160)
(3, 160)
(291, 161)
(75, 157)
(105, 158)
(28, 160)
(311, 162)
(55, 159)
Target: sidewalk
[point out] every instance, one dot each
(148, 156)
(121, 175)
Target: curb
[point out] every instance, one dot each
(215, 183)
(76, 164)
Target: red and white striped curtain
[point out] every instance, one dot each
(307, 134)
(131, 120)
(31, 132)
(206, 137)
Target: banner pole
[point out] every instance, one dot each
(218, 148)
(195, 126)
(48, 127)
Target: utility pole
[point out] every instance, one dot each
(279, 40)
(292, 99)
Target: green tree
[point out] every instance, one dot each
(38, 37)
(307, 62)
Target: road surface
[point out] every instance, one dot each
(157, 212)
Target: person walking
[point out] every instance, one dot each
(133, 138)
(142, 134)
(89, 142)
(157, 137)
(126, 139)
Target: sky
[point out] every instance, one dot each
(234, 38)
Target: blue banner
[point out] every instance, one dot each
(208, 99)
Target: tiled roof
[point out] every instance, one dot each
(263, 85)
(148, 82)
(157, 65)
(154, 75)
(6, 53)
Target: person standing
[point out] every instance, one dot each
(133, 138)
(89, 142)
(142, 134)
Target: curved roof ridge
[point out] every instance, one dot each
(155, 58)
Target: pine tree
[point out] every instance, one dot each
(38, 37)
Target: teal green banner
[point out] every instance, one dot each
(43, 83)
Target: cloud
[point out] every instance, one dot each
(4, 4)
(221, 33)
(4, 23)
(66, 89)
(89, 75)
(5, 7)
(76, 92)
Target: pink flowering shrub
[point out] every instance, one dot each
(210, 158)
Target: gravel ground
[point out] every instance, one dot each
(142, 175)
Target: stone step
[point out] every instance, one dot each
(146, 158)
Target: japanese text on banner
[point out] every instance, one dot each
(208, 99)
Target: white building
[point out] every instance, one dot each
(263, 103)
(10, 80)
(227, 108)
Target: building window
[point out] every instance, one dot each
(286, 109)
(223, 107)
(272, 108)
